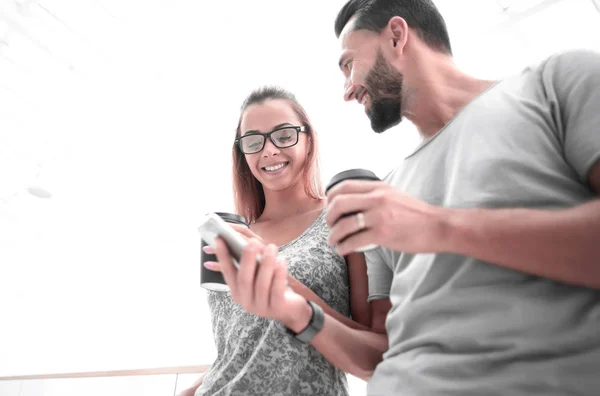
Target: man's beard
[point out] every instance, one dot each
(384, 87)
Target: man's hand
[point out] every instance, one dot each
(262, 289)
(391, 219)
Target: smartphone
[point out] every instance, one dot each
(212, 226)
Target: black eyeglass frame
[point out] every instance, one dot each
(299, 129)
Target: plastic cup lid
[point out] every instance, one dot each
(232, 217)
(356, 174)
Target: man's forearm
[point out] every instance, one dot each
(562, 245)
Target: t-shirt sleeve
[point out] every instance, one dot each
(380, 275)
(574, 78)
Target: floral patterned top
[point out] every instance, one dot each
(255, 355)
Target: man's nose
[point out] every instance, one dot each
(349, 91)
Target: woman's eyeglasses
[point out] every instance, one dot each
(254, 142)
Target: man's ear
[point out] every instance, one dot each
(397, 32)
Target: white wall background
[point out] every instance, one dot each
(125, 111)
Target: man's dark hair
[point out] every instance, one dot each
(420, 15)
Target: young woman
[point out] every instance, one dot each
(277, 188)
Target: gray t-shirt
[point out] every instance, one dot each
(461, 326)
(255, 355)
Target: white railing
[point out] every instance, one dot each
(143, 382)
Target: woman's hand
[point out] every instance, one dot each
(246, 232)
(262, 289)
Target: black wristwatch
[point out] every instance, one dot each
(314, 325)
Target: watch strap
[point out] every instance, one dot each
(314, 325)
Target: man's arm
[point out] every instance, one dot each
(359, 288)
(563, 245)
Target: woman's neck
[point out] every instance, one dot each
(287, 203)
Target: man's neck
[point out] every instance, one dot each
(443, 91)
